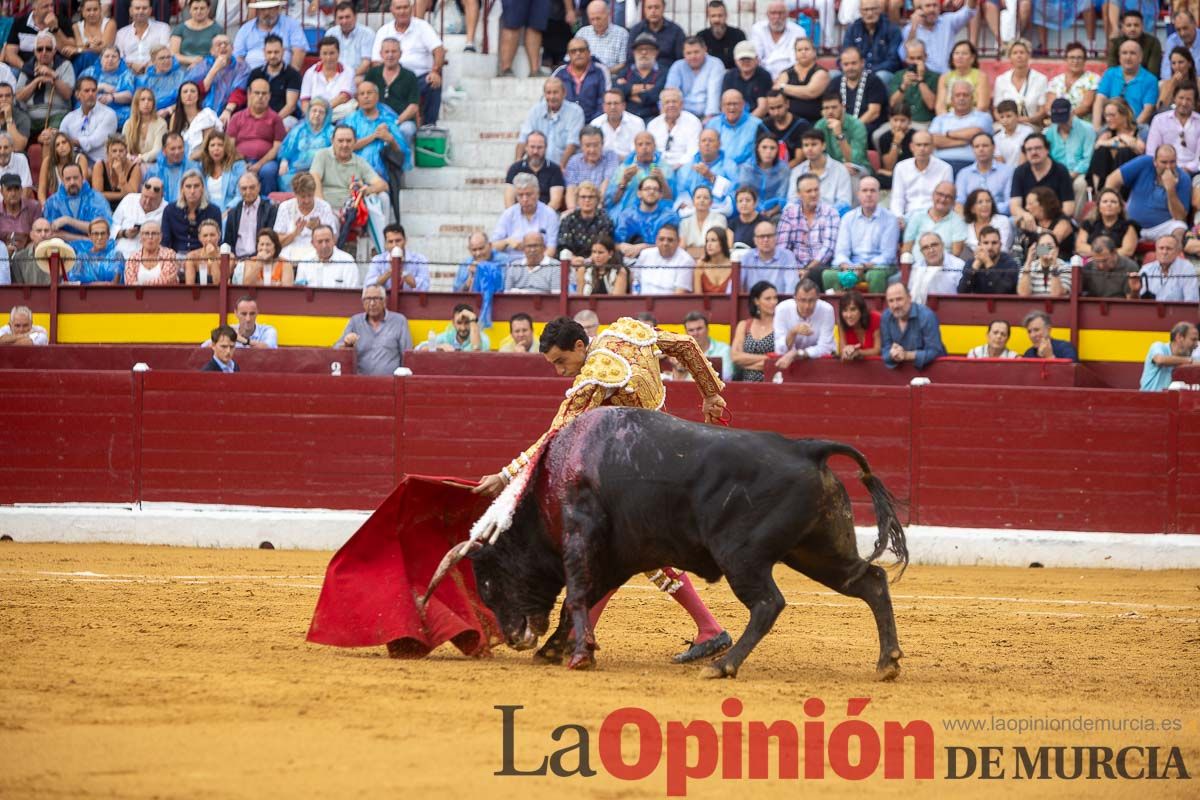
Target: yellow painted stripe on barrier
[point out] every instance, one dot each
(1109, 345)
(134, 328)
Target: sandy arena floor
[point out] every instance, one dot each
(159, 672)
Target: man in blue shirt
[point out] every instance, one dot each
(1129, 80)
(559, 120)
(877, 38)
(1037, 325)
(910, 331)
(75, 205)
(708, 166)
(584, 79)
(248, 44)
(637, 227)
(414, 267)
(699, 76)
(985, 173)
(867, 242)
(737, 127)
(644, 161)
(1160, 195)
(937, 31)
(1163, 358)
(668, 35)
(770, 262)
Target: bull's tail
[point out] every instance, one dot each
(891, 532)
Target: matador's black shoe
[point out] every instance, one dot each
(714, 646)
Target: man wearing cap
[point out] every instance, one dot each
(251, 37)
(74, 205)
(607, 41)
(1178, 126)
(1071, 144)
(135, 210)
(751, 80)
(23, 264)
(719, 37)
(21, 331)
(643, 79)
(17, 213)
(421, 53)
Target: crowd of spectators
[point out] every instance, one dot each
(656, 160)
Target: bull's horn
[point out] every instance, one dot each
(455, 555)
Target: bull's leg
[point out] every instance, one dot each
(868, 582)
(758, 592)
(579, 599)
(552, 651)
(872, 587)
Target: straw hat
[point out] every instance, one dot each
(42, 252)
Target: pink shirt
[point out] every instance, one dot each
(255, 136)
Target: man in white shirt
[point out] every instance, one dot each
(665, 268)
(676, 132)
(89, 125)
(20, 329)
(936, 272)
(775, 39)
(14, 163)
(1177, 283)
(134, 211)
(137, 39)
(332, 269)
(803, 326)
(421, 53)
(618, 125)
(914, 178)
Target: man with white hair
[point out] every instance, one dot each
(775, 39)
(134, 211)
(936, 272)
(590, 321)
(44, 87)
(379, 337)
(676, 132)
(607, 41)
(21, 331)
(953, 131)
(642, 80)
(528, 215)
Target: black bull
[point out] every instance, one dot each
(622, 491)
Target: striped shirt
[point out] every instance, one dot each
(579, 170)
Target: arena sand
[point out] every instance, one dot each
(171, 672)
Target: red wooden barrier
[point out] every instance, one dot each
(122, 357)
(1050, 458)
(67, 436)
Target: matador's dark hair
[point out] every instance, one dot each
(562, 333)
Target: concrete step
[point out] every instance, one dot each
(454, 178)
(452, 204)
(424, 223)
(489, 155)
(483, 88)
(482, 128)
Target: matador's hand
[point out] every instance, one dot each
(490, 485)
(714, 406)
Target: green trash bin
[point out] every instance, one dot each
(433, 147)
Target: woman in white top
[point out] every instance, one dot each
(979, 212)
(144, 129)
(1076, 84)
(1024, 86)
(84, 43)
(693, 228)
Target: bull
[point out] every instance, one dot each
(621, 491)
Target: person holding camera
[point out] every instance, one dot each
(1045, 274)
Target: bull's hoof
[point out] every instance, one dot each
(718, 670)
(548, 655)
(888, 668)
(581, 661)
